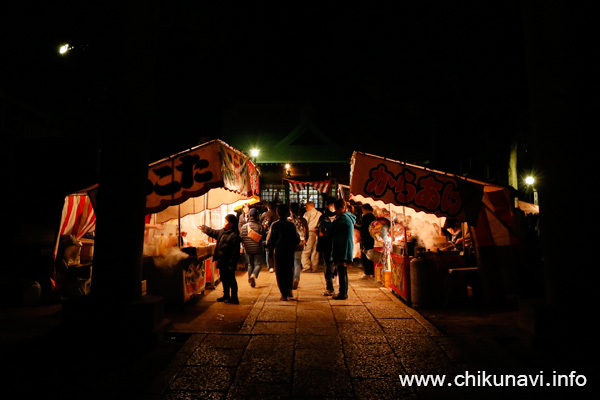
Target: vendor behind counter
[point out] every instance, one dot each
(459, 236)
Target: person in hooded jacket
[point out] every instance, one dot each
(342, 229)
(226, 255)
(254, 250)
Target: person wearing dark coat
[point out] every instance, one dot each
(324, 244)
(366, 240)
(267, 220)
(254, 250)
(282, 240)
(226, 255)
(342, 250)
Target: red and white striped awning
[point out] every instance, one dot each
(321, 186)
(78, 217)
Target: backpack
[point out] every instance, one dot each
(301, 229)
(267, 221)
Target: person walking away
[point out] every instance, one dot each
(266, 221)
(342, 249)
(324, 244)
(302, 229)
(366, 240)
(282, 240)
(310, 256)
(226, 255)
(253, 236)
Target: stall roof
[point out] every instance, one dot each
(384, 182)
(184, 180)
(194, 172)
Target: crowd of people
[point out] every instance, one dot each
(289, 240)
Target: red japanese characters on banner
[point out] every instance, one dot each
(419, 188)
(428, 193)
(196, 171)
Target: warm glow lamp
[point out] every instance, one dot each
(63, 49)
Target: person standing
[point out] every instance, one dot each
(226, 255)
(243, 218)
(310, 256)
(253, 245)
(302, 229)
(282, 240)
(366, 240)
(457, 238)
(342, 250)
(324, 244)
(266, 221)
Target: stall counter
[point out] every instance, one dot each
(177, 281)
(442, 262)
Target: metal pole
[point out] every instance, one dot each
(404, 229)
(205, 206)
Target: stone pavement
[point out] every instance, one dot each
(314, 347)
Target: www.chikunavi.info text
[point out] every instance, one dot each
(483, 379)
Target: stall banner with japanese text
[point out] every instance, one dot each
(235, 171)
(186, 175)
(401, 184)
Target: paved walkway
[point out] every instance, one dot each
(314, 347)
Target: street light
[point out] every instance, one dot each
(64, 48)
(254, 154)
(529, 181)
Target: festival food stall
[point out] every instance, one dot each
(417, 202)
(199, 186)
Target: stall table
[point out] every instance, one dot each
(443, 262)
(400, 268)
(179, 282)
(443, 285)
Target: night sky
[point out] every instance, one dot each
(435, 82)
